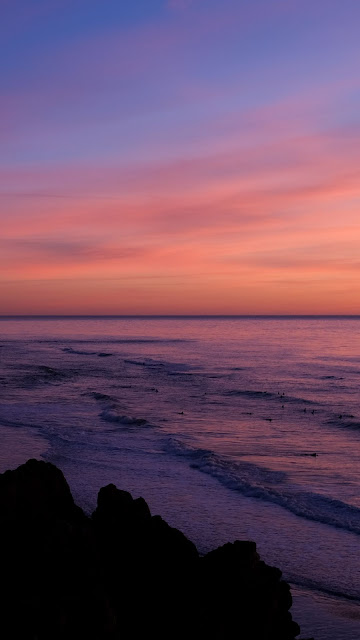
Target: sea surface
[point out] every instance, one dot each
(230, 428)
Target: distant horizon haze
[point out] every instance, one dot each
(183, 316)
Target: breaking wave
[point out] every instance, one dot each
(113, 415)
(265, 484)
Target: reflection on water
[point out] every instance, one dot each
(230, 428)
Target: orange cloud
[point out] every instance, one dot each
(270, 226)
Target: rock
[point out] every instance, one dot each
(117, 507)
(35, 489)
(249, 586)
(51, 583)
(123, 574)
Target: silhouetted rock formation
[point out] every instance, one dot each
(123, 574)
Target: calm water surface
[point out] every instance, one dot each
(216, 422)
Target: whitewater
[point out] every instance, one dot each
(229, 427)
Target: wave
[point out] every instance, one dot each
(314, 585)
(265, 484)
(50, 372)
(251, 394)
(180, 373)
(17, 424)
(267, 395)
(106, 340)
(139, 363)
(344, 423)
(42, 374)
(97, 395)
(170, 368)
(79, 352)
(113, 415)
(151, 364)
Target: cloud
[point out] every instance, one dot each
(288, 180)
(38, 256)
(171, 151)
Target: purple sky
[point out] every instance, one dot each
(180, 156)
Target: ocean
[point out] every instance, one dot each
(229, 427)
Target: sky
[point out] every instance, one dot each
(179, 157)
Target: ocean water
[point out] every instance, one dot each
(230, 428)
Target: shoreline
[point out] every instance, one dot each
(316, 612)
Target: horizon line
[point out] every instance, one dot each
(186, 315)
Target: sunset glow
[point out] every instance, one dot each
(180, 157)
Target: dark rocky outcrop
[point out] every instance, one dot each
(123, 574)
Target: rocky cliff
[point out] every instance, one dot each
(123, 573)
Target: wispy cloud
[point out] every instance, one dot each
(206, 156)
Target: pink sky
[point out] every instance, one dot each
(195, 158)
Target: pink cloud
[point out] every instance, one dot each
(238, 216)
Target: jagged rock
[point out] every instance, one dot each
(123, 574)
(117, 507)
(249, 587)
(36, 488)
(51, 584)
